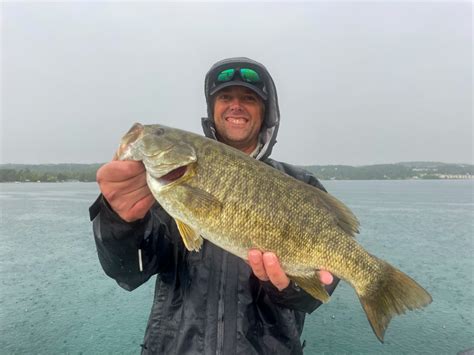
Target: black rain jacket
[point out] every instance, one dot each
(206, 302)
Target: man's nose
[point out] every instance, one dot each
(235, 103)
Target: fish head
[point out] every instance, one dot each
(166, 156)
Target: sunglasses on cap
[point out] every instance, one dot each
(247, 77)
(246, 74)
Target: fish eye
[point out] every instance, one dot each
(158, 131)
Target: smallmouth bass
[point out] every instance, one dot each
(218, 193)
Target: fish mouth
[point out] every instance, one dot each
(173, 175)
(128, 140)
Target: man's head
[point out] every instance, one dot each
(238, 93)
(242, 105)
(238, 117)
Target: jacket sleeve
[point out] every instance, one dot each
(119, 244)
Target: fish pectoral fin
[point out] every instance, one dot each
(192, 240)
(313, 286)
(201, 202)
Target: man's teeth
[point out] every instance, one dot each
(236, 120)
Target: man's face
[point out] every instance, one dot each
(238, 116)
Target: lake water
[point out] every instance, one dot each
(55, 299)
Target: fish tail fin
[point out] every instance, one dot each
(395, 294)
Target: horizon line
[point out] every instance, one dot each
(313, 164)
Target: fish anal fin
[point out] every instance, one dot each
(192, 240)
(312, 285)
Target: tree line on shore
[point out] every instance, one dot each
(48, 172)
(399, 171)
(87, 172)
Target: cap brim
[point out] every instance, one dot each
(239, 83)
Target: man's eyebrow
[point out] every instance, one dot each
(251, 92)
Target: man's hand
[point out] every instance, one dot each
(267, 268)
(123, 184)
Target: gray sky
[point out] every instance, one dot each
(358, 82)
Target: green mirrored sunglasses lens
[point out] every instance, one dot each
(249, 75)
(226, 75)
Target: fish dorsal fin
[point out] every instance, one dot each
(341, 213)
(192, 240)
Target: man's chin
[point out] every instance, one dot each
(238, 132)
(237, 138)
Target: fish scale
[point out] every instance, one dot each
(216, 192)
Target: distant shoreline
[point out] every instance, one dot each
(23, 173)
(322, 180)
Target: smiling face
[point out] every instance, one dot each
(238, 117)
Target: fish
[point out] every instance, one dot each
(218, 193)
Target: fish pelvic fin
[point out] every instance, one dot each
(192, 240)
(312, 285)
(395, 294)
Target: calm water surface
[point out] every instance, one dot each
(55, 299)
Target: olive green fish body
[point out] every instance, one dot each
(238, 203)
(294, 221)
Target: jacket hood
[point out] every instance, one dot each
(271, 120)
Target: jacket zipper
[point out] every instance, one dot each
(221, 306)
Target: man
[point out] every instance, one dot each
(206, 302)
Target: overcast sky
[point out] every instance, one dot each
(358, 82)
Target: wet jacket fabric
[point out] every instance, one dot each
(206, 302)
